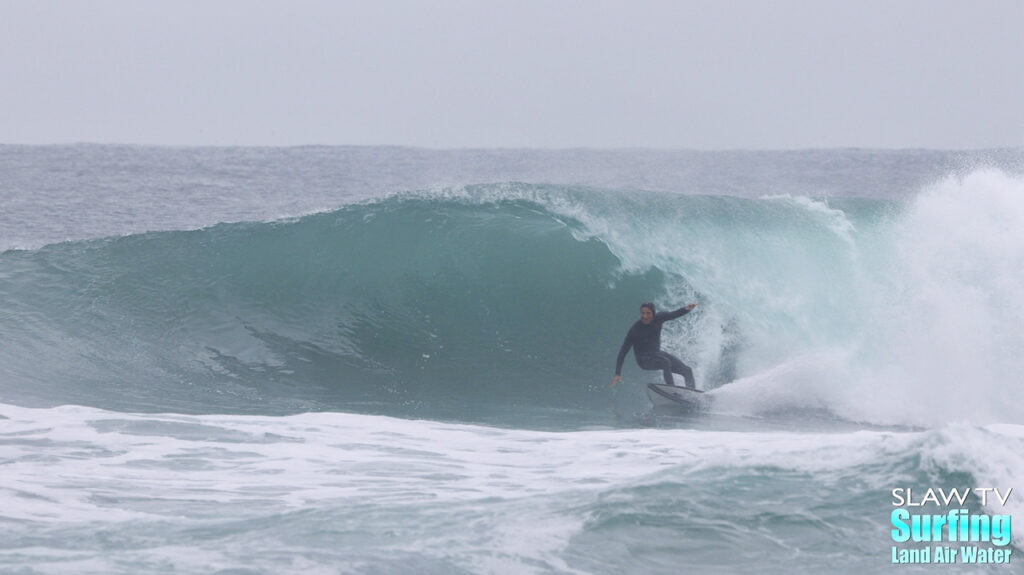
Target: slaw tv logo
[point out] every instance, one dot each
(954, 536)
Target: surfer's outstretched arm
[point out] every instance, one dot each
(678, 313)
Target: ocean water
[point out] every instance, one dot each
(391, 360)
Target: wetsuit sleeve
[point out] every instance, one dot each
(623, 351)
(674, 314)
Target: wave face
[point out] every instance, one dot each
(398, 305)
(489, 303)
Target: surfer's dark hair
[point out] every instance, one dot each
(648, 305)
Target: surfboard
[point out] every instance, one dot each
(662, 395)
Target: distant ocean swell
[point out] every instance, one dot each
(494, 299)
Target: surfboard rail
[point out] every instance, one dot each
(662, 395)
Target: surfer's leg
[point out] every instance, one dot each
(666, 372)
(656, 362)
(682, 369)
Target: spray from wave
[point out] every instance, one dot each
(931, 304)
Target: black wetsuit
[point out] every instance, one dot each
(645, 339)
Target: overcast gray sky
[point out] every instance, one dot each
(772, 74)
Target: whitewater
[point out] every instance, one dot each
(391, 360)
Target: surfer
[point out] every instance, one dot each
(645, 339)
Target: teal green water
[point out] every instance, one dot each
(492, 303)
(418, 381)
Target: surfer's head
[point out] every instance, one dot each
(647, 312)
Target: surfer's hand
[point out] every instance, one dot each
(691, 306)
(616, 379)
